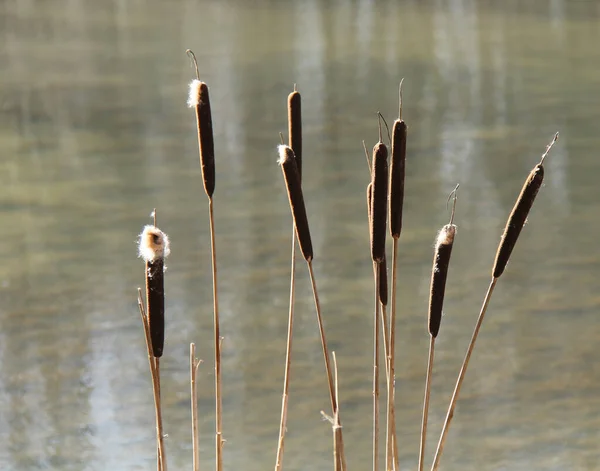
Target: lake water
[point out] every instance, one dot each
(94, 133)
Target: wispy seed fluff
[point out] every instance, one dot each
(446, 235)
(153, 244)
(194, 96)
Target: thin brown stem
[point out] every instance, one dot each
(288, 358)
(155, 375)
(217, 332)
(194, 363)
(338, 451)
(391, 359)
(426, 402)
(376, 370)
(461, 376)
(334, 403)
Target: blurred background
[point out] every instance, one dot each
(95, 132)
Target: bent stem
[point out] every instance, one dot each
(334, 403)
(426, 402)
(161, 460)
(461, 377)
(288, 358)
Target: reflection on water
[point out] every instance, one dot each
(94, 133)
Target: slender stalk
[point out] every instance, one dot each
(376, 369)
(338, 451)
(461, 377)
(426, 402)
(152, 360)
(217, 333)
(194, 363)
(295, 143)
(288, 358)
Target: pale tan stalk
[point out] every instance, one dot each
(288, 359)
(376, 370)
(426, 402)
(194, 364)
(218, 391)
(461, 376)
(154, 373)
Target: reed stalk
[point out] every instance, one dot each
(439, 275)
(153, 248)
(200, 101)
(291, 177)
(295, 143)
(396, 202)
(378, 222)
(512, 230)
(194, 364)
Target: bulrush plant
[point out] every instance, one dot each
(514, 225)
(153, 248)
(385, 198)
(200, 101)
(291, 176)
(377, 230)
(439, 275)
(295, 143)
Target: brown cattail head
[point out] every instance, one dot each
(287, 161)
(153, 248)
(199, 99)
(518, 215)
(295, 127)
(517, 218)
(397, 173)
(439, 273)
(383, 282)
(378, 220)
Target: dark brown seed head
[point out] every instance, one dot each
(294, 191)
(154, 248)
(295, 127)
(397, 172)
(383, 282)
(200, 100)
(517, 218)
(439, 274)
(155, 299)
(379, 178)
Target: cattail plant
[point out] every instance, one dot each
(396, 202)
(512, 230)
(377, 230)
(291, 177)
(439, 274)
(199, 100)
(295, 143)
(194, 364)
(153, 248)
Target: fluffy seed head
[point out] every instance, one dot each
(194, 94)
(153, 244)
(446, 235)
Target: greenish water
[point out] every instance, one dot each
(94, 133)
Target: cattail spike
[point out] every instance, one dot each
(291, 176)
(400, 99)
(379, 178)
(153, 248)
(439, 273)
(397, 176)
(519, 213)
(383, 282)
(199, 99)
(295, 126)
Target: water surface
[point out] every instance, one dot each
(94, 133)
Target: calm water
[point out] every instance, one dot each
(94, 133)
